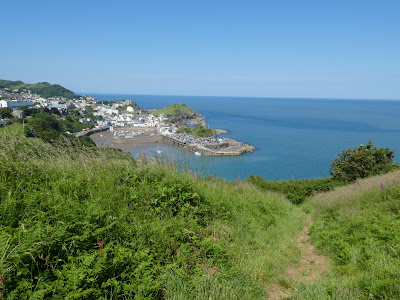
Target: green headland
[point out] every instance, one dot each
(44, 89)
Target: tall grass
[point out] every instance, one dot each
(357, 227)
(86, 223)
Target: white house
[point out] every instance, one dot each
(15, 103)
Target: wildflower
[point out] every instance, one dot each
(238, 176)
(394, 181)
(357, 181)
(382, 186)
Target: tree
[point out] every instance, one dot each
(363, 161)
(44, 126)
(5, 112)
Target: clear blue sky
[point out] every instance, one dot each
(328, 49)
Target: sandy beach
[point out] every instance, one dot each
(108, 139)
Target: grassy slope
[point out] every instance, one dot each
(175, 110)
(357, 227)
(15, 129)
(93, 223)
(296, 190)
(44, 89)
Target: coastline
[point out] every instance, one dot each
(128, 138)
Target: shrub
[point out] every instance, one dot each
(361, 162)
(296, 190)
(6, 112)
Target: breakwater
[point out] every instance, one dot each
(228, 147)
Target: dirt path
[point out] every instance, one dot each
(311, 265)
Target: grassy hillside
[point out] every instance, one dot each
(357, 227)
(85, 223)
(176, 110)
(44, 89)
(296, 190)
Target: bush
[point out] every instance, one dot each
(361, 162)
(201, 131)
(296, 190)
(186, 129)
(6, 112)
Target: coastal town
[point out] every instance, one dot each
(127, 124)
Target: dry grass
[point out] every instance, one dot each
(347, 196)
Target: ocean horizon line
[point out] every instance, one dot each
(243, 97)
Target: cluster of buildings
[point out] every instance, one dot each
(119, 114)
(122, 113)
(19, 95)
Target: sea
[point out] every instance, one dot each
(294, 138)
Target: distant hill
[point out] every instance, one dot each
(176, 110)
(44, 89)
(181, 115)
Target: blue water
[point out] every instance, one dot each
(295, 138)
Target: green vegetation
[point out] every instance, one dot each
(71, 230)
(357, 227)
(93, 223)
(185, 129)
(296, 190)
(44, 89)
(197, 131)
(53, 128)
(363, 161)
(175, 110)
(44, 126)
(16, 129)
(6, 112)
(29, 111)
(201, 131)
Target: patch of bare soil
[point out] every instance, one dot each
(311, 265)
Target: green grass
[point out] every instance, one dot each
(15, 129)
(201, 131)
(84, 223)
(44, 89)
(357, 227)
(297, 190)
(197, 131)
(175, 110)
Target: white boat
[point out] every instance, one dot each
(158, 150)
(197, 153)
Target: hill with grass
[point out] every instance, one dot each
(180, 114)
(44, 89)
(356, 227)
(94, 223)
(85, 223)
(176, 110)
